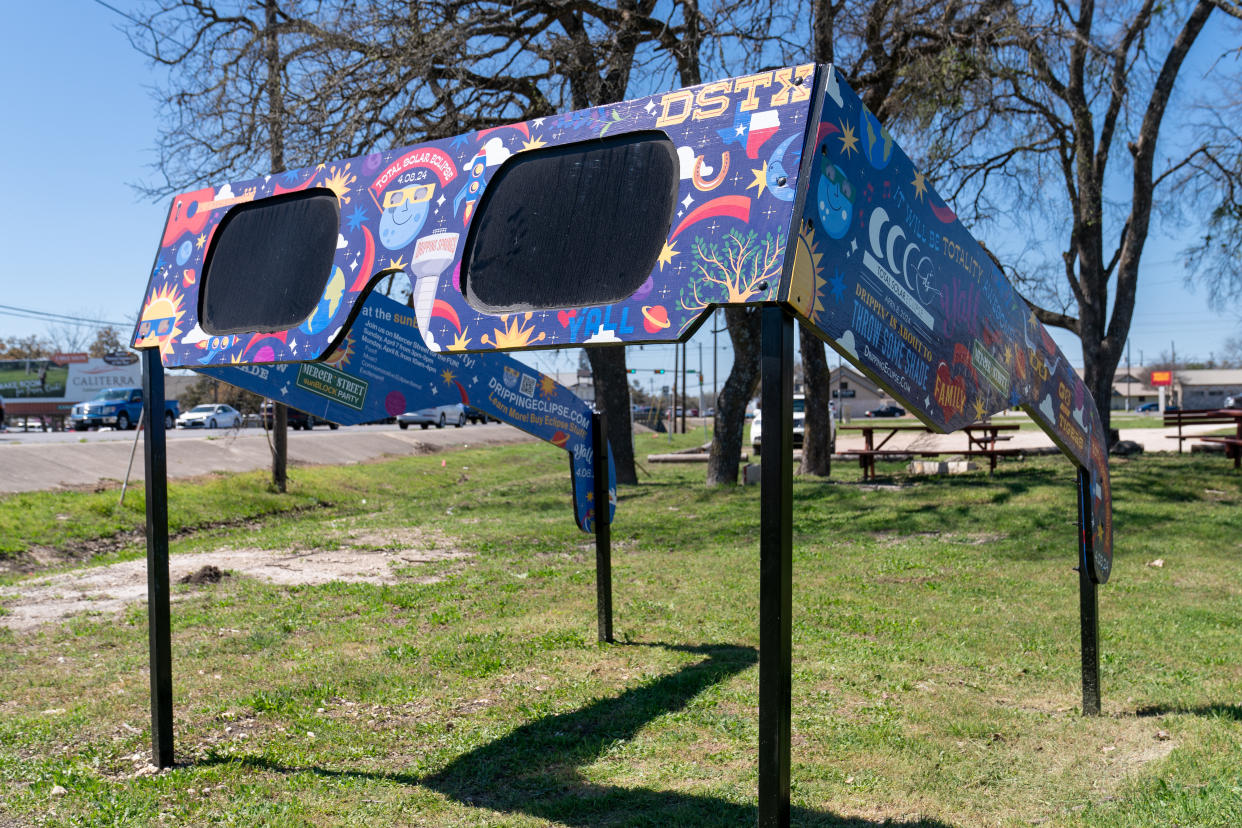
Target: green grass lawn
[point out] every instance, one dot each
(936, 662)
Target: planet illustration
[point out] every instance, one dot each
(877, 143)
(184, 251)
(188, 277)
(371, 164)
(835, 200)
(328, 304)
(644, 289)
(264, 354)
(394, 403)
(655, 318)
(559, 439)
(401, 222)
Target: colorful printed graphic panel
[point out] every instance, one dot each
(382, 369)
(739, 147)
(895, 283)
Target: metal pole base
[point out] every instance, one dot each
(775, 565)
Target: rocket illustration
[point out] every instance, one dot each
(432, 254)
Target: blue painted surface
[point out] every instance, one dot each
(383, 369)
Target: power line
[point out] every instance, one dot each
(50, 316)
(118, 11)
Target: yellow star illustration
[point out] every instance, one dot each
(448, 376)
(980, 409)
(667, 254)
(761, 179)
(534, 143)
(590, 497)
(849, 141)
(920, 185)
(200, 241)
(1008, 355)
(397, 263)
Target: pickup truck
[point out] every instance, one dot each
(120, 408)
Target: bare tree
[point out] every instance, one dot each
(106, 341)
(894, 54)
(1045, 110)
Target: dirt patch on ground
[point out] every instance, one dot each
(109, 589)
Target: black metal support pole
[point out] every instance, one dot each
(1088, 604)
(603, 528)
(160, 644)
(775, 565)
(280, 446)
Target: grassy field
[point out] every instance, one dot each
(935, 655)
(1119, 419)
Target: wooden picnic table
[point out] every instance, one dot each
(981, 440)
(985, 436)
(1222, 416)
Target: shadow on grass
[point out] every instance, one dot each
(1210, 711)
(534, 769)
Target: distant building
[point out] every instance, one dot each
(1206, 387)
(855, 394)
(1192, 388)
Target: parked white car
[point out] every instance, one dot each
(437, 415)
(799, 424)
(211, 415)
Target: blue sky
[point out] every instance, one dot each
(80, 130)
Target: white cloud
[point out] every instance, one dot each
(195, 336)
(604, 335)
(496, 152)
(847, 342)
(1047, 409)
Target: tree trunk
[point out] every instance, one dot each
(817, 431)
(612, 396)
(745, 327)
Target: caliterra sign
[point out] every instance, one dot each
(64, 379)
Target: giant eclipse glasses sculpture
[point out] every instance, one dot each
(630, 223)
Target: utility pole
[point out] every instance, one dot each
(684, 396)
(1173, 367)
(1129, 375)
(715, 351)
(702, 411)
(672, 412)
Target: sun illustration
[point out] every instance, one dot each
(343, 353)
(338, 181)
(807, 279)
(160, 322)
(547, 386)
(534, 143)
(513, 335)
(460, 343)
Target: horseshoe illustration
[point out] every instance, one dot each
(703, 185)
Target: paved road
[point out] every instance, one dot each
(36, 461)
